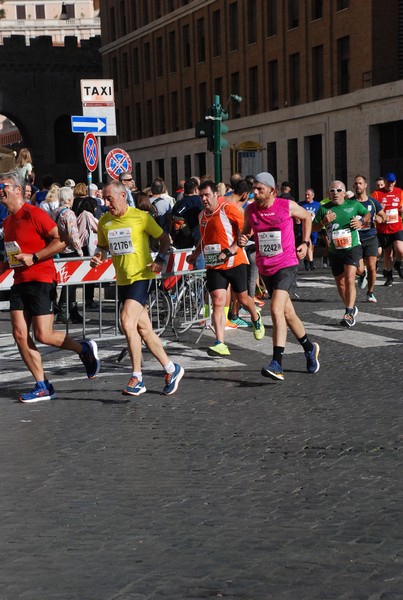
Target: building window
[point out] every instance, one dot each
(235, 89)
(149, 172)
(71, 13)
(125, 71)
(187, 163)
(172, 51)
(136, 69)
(203, 98)
(343, 56)
(340, 155)
(201, 163)
(138, 132)
(233, 26)
(147, 62)
(217, 33)
(134, 16)
(160, 167)
(294, 79)
(188, 108)
(146, 16)
(317, 9)
(271, 17)
(149, 118)
(114, 71)
(218, 89)
(273, 85)
(272, 158)
(128, 123)
(112, 23)
(157, 9)
(21, 13)
(171, 7)
(40, 11)
(254, 95)
(342, 4)
(293, 164)
(186, 45)
(174, 111)
(201, 41)
(122, 18)
(161, 115)
(159, 51)
(174, 173)
(317, 73)
(252, 22)
(293, 14)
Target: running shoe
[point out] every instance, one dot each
(245, 313)
(274, 371)
(362, 281)
(312, 360)
(325, 263)
(258, 302)
(371, 297)
(172, 380)
(389, 281)
(89, 358)
(348, 320)
(312, 267)
(239, 322)
(230, 325)
(398, 266)
(258, 329)
(219, 349)
(134, 387)
(306, 264)
(43, 390)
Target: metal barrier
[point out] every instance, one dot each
(176, 299)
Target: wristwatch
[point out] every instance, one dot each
(307, 242)
(35, 258)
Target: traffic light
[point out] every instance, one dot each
(223, 129)
(206, 129)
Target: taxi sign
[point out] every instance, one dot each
(99, 91)
(117, 161)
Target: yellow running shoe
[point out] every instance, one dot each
(258, 328)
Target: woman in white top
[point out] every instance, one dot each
(24, 164)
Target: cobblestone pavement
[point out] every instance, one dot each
(236, 487)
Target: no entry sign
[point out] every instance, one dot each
(90, 151)
(117, 161)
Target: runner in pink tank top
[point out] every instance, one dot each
(270, 219)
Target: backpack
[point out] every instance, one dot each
(154, 212)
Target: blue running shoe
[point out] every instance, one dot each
(89, 358)
(43, 390)
(134, 387)
(274, 371)
(172, 380)
(312, 361)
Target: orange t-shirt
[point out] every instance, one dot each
(219, 231)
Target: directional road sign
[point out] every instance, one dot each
(90, 151)
(81, 124)
(117, 161)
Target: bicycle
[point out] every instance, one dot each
(189, 302)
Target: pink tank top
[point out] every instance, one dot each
(273, 229)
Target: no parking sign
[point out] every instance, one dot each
(117, 161)
(90, 151)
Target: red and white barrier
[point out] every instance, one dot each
(79, 270)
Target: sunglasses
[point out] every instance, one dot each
(336, 190)
(3, 185)
(131, 179)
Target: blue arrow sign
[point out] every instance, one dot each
(87, 124)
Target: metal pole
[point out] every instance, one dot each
(217, 135)
(99, 159)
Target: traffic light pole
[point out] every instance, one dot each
(217, 114)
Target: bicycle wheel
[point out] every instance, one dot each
(160, 309)
(189, 306)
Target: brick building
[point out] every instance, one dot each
(321, 84)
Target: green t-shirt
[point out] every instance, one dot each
(128, 240)
(339, 232)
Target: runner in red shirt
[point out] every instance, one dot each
(390, 233)
(31, 239)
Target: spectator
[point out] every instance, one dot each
(24, 165)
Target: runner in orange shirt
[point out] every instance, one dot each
(226, 263)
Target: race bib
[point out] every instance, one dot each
(342, 239)
(120, 241)
(392, 215)
(269, 243)
(211, 254)
(12, 248)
